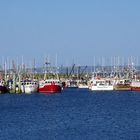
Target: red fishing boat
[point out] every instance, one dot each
(50, 86)
(135, 85)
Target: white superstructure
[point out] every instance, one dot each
(98, 84)
(29, 86)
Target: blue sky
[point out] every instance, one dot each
(75, 30)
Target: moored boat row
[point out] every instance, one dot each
(105, 84)
(56, 86)
(122, 78)
(31, 86)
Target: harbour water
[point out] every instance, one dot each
(77, 114)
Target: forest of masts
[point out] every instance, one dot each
(115, 66)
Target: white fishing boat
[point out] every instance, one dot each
(72, 84)
(82, 84)
(29, 86)
(97, 84)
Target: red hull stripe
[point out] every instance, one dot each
(50, 89)
(135, 88)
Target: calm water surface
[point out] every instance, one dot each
(74, 114)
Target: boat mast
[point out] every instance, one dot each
(46, 68)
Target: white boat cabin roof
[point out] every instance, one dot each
(28, 82)
(52, 81)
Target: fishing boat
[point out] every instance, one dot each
(3, 87)
(72, 84)
(97, 84)
(51, 82)
(122, 84)
(82, 84)
(135, 85)
(50, 86)
(29, 86)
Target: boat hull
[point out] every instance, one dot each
(82, 86)
(3, 89)
(102, 88)
(135, 85)
(50, 89)
(29, 86)
(135, 88)
(122, 87)
(29, 89)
